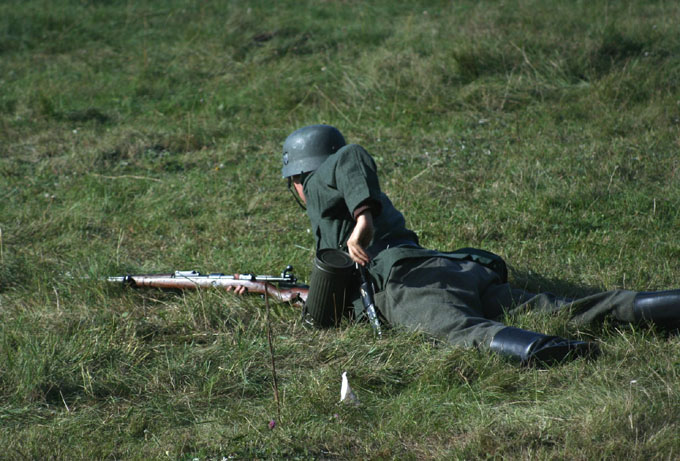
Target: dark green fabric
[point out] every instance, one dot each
(442, 297)
(344, 181)
(447, 295)
(382, 264)
(463, 302)
(483, 257)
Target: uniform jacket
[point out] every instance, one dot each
(346, 181)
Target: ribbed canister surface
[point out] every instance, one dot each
(329, 286)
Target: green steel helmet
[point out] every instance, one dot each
(307, 148)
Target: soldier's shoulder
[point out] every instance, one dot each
(347, 156)
(351, 148)
(352, 152)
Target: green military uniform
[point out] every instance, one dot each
(420, 289)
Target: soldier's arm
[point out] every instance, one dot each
(356, 177)
(361, 237)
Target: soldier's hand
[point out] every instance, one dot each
(361, 237)
(239, 290)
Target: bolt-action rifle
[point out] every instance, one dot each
(283, 288)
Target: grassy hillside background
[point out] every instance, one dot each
(145, 137)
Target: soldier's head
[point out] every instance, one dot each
(305, 150)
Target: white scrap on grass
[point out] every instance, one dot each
(347, 395)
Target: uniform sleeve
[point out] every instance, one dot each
(356, 177)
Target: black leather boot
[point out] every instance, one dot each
(659, 307)
(529, 347)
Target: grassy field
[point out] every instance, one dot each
(145, 137)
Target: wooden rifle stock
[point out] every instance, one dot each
(283, 288)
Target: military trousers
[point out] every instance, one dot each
(462, 302)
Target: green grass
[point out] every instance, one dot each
(145, 137)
